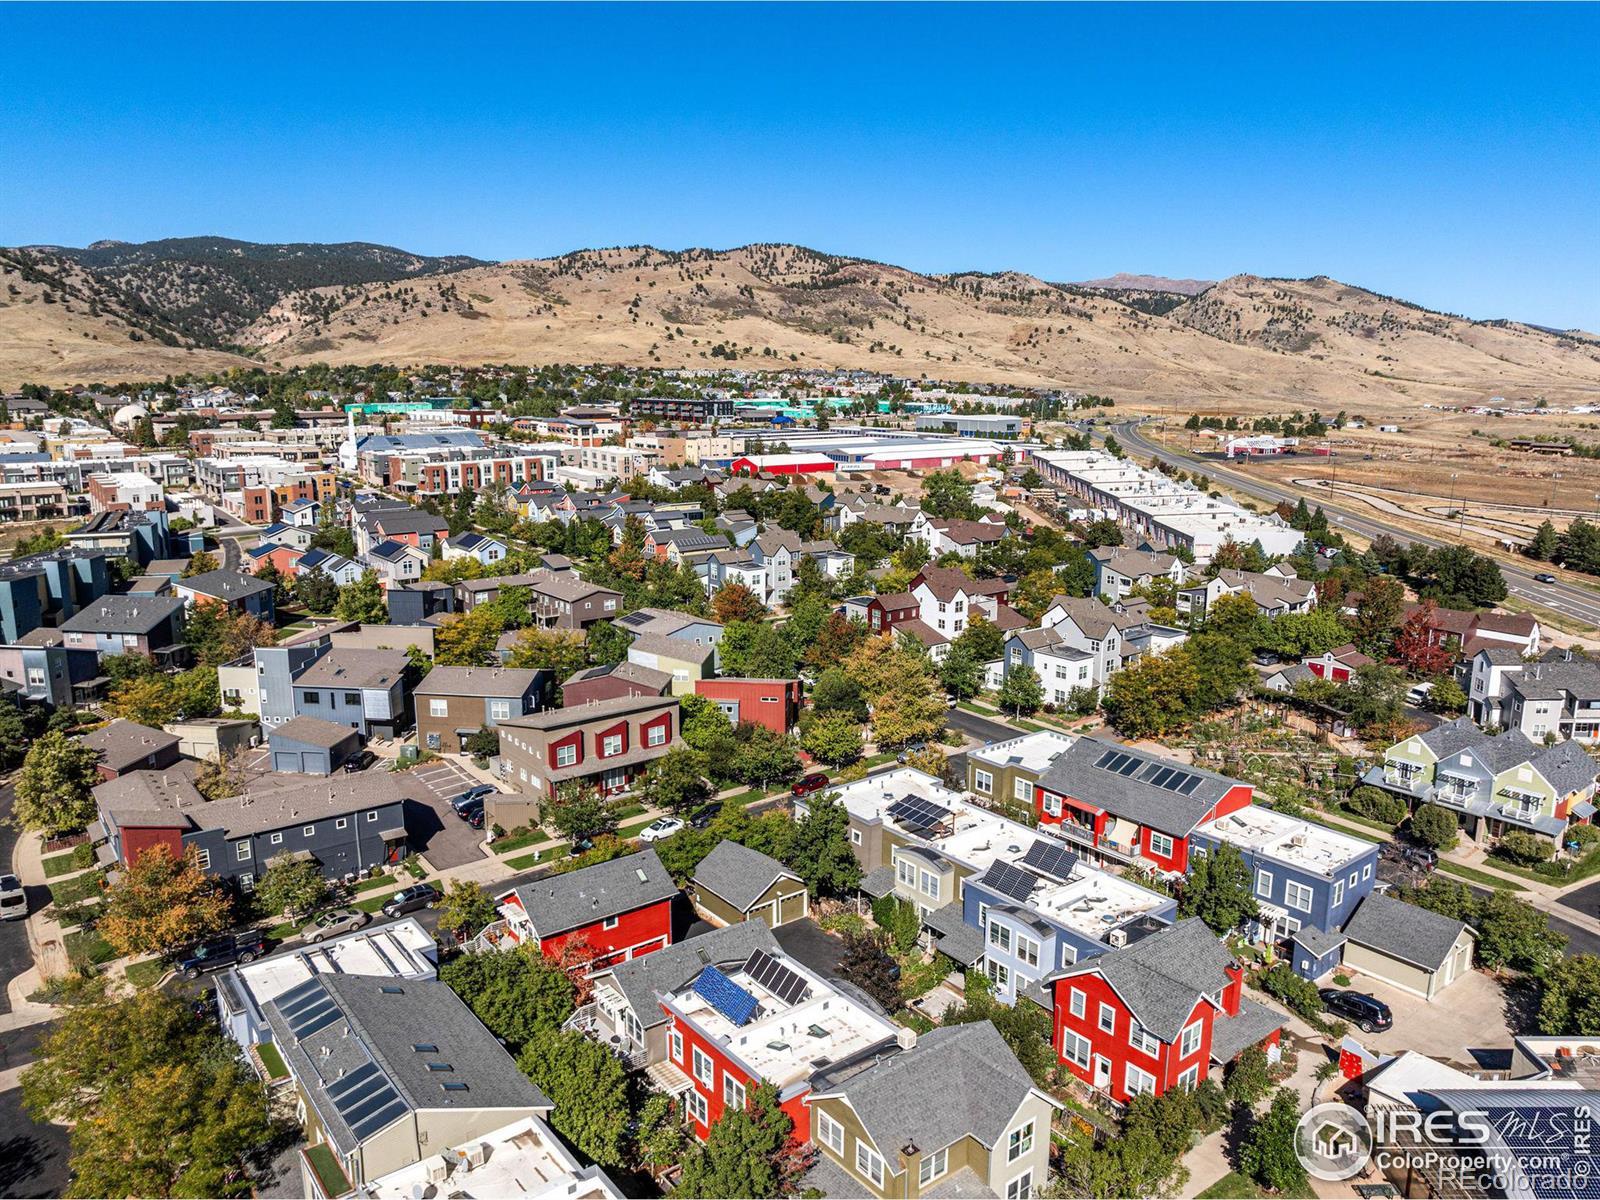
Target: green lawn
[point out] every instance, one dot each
(543, 856)
(272, 1060)
(373, 903)
(147, 973)
(1473, 875)
(77, 889)
(507, 844)
(1586, 868)
(377, 881)
(1232, 1186)
(86, 947)
(329, 1174)
(1380, 826)
(60, 864)
(628, 831)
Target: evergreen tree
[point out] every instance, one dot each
(1544, 542)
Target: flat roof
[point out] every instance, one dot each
(1031, 752)
(521, 1159)
(1290, 840)
(400, 950)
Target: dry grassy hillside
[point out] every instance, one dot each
(1242, 345)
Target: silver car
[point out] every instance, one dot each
(334, 922)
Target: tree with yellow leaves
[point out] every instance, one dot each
(163, 902)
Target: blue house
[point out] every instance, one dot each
(309, 746)
(364, 690)
(1307, 879)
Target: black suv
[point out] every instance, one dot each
(418, 895)
(1367, 1012)
(224, 951)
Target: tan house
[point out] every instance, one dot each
(955, 1114)
(1417, 950)
(214, 737)
(735, 883)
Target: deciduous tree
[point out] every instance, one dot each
(1021, 692)
(363, 601)
(55, 789)
(677, 781)
(1570, 1006)
(588, 1086)
(1219, 891)
(466, 907)
(1417, 649)
(735, 602)
(749, 1152)
(1268, 1155)
(516, 993)
(162, 903)
(1152, 698)
(819, 850)
(291, 887)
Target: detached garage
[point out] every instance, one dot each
(735, 883)
(1416, 950)
(311, 746)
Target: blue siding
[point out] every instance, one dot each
(1353, 882)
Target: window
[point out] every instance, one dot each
(499, 710)
(1020, 1188)
(438, 708)
(1297, 895)
(276, 839)
(930, 885)
(612, 745)
(1264, 883)
(1108, 1018)
(998, 972)
(982, 781)
(1138, 1082)
(1075, 1002)
(696, 1107)
(999, 936)
(677, 1046)
(313, 697)
(241, 851)
(247, 882)
(1020, 1142)
(1142, 1040)
(372, 816)
(906, 872)
(655, 735)
(702, 1066)
(869, 1163)
(341, 822)
(855, 837)
(1052, 804)
(203, 859)
(932, 1166)
(353, 699)
(609, 923)
(1189, 1077)
(1366, 871)
(1075, 1048)
(829, 1132)
(566, 756)
(732, 1092)
(1160, 845)
(1028, 950)
(1022, 789)
(1190, 1042)
(1338, 892)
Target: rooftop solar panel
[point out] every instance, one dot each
(918, 814)
(1055, 861)
(1188, 786)
(308, 1008)
(777, 978)
(726, 996)
(1008, 880)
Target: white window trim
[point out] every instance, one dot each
(1264, 883)
(933, 1166)
(1190, 1042)
(1189, 1077)
(1077, 1002)
(1105, 1011)
(1298, 896)
(1072, 1043)
(830, 1133)
(982, 782)
(699, 1056)
(1019, 1141)
(1021, 1188)
(869, 1163)
(1136, 1081)
(1161, 844)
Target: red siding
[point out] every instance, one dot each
(635, 933)
(136, 841)
(620, 729)
(574, 738)
(771, 703)
(721, 1067)
(1114, 1046)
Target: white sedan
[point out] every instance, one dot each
(661, 829)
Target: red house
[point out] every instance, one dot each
(1339, 664)
(891, 609)
(772, 703)
(1130, 806)
(771, 1020)
(1157, 1014)
(596, 916)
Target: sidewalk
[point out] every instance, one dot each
(46, 938)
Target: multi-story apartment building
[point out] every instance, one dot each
(46, 589)
(594, 917)
(607, 745)
(1557, 696)
(35, 501)
(362, 689)
(1492, 784)
(444, 473)
(123, 490)
(556, 601)
(453, 703)
(610, 462)
(262, 683)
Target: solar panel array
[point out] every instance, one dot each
(1170, 779)
(918, 814)
(366, 1100)
(307, 1007)
(1117, 762)
(726, 996)
(1054, 861)
(1009, 880)
(776, 978)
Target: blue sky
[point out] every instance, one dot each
(1447, 155)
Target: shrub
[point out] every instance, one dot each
(1248, 1078)
(1299, 995)
(1377, 805)
(1434, 827)
(1341, 980)
(83, 856)
(1523, 848)
(1584, 835)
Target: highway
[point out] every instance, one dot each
(1568, 599)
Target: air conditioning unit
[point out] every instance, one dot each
(1117, 938)
(438, 1169)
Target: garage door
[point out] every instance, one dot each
(792, 908)
(286, 760)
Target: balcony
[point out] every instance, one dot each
(591, 1021)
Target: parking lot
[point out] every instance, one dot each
(436, 832)
(1472, 1013)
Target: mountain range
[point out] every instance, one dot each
(117, 311)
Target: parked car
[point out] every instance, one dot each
(409, 899)
(334, 922)
(1544, 577)
(469, 809)
(661, 829)
(580, 845)
(472, 796)
(907, 751)
(13, 901)
(360, 760)
(475, 818)
(813, 782)
(708, 814)
(224, 951)
(1368, 1012)
(1421, 857)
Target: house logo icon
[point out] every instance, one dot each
(1333, 1142)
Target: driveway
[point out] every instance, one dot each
(1471, 1014)
(812, 945)
(436, 832)
(984, 729)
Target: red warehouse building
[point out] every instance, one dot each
(597, 916)
(1132, 807)
(770, 1020)
(782, 464)
(772, 703)
(1157, 1014)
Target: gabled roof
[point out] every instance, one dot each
(895, 601)
(355, 669)
(391, 521)
(124, 614)
(946, 583)
(313, 731)
(223, 584)
(498, 682)
(922, 632)
(393, 551)
(670, 647)
(628, 672)
(123, 744)
(1567, 767)
(739, 875)
(1095, 619)
(599, 710)
(1162, 977)
(1131, 795)
(967, 532)
(957, 1081)
(472, 540)
(1414, 935)
(558, 903)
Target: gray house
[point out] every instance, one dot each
(151, 625)
(362, 689)
(312, 746)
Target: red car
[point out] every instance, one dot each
(814, 782)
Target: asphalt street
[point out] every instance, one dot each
(982, 728)
(1566, 598)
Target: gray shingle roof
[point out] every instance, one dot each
(737, 874)
(641, 980)
(1567, 766)
(562, 902)
(1414, 935)
(355, 669)
(407, 520)
(957, 939)
(124, 744)
(223, 584)
(1232, 1036)
(504, 682)
(1073, 773)
(878, 882)
(124, 614)
(313, 731)
(378, 1021)
(1161, 978)
(1318, 940)
(957, 1081)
